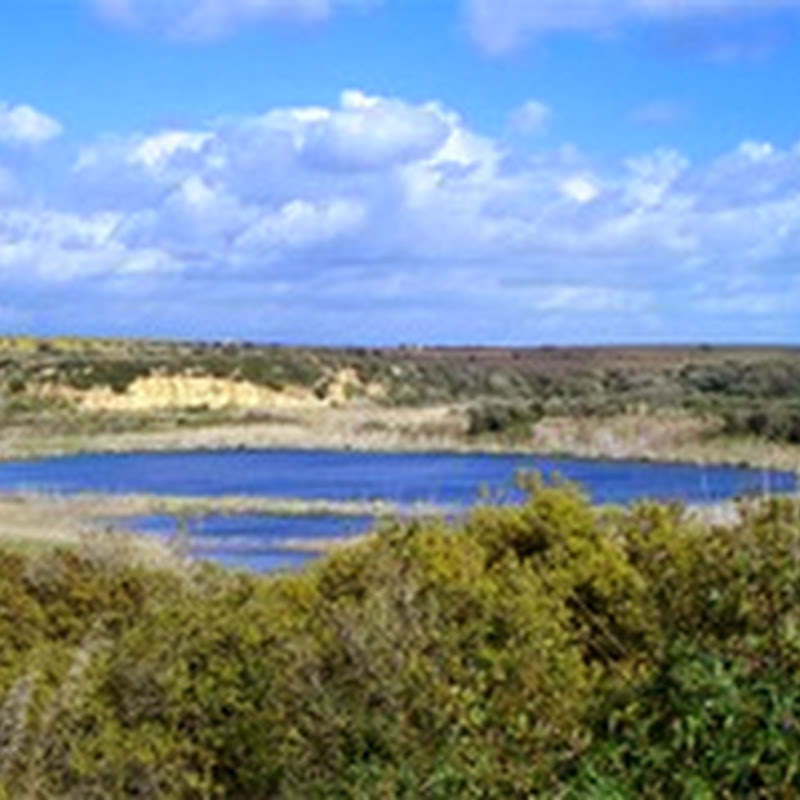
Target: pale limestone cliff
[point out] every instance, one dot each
(168, 392)
(176, 392)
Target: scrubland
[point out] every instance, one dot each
(671, 403)
(553, 650)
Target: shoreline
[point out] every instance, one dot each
(110, 506)
(783, 462)
(743, 453)
(638, 439)
(40, 521)
(35, 521)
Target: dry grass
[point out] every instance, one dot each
(666, 436)
(357, 428)
(35, 523)
(669, 436)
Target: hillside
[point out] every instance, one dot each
(585, 399)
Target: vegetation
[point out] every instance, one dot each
(509, 419)
(551, 649)
(501, 393)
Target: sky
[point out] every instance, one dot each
(383, 172)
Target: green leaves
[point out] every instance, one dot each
(550, 649)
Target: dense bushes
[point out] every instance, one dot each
(550, 649)
(758, 399)
(776, 422)
(507, 419)
(770, 377)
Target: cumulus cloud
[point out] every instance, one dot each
(23, 125)
(210, 19)
(499, 26)
(403, 215)
(372, 133)
(50, 248)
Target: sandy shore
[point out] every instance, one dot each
(30, 521)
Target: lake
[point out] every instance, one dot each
(260, 542)
(450, 480)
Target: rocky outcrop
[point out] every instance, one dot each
(159, 392)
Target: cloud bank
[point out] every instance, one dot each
(496, 26)
(380, 220)
(201, 20)
(499, 26)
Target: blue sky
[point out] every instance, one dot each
(394, 171)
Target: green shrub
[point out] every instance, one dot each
(506, 419)
(551, 649)
(776, 422)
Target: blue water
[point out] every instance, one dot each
(261, 542)
(404, 478)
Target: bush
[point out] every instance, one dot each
(507, 419)
(777, 422)
(550, 649)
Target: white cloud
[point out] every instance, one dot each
(499, 26)
(756, 151)
(300, 224)
(380, 203)
(372, 133)
(56, 246)
(23, 125)
(531, 117)
(155, 151)
(199, 20)
(580, 188)
(651, 178)
(593, 299)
